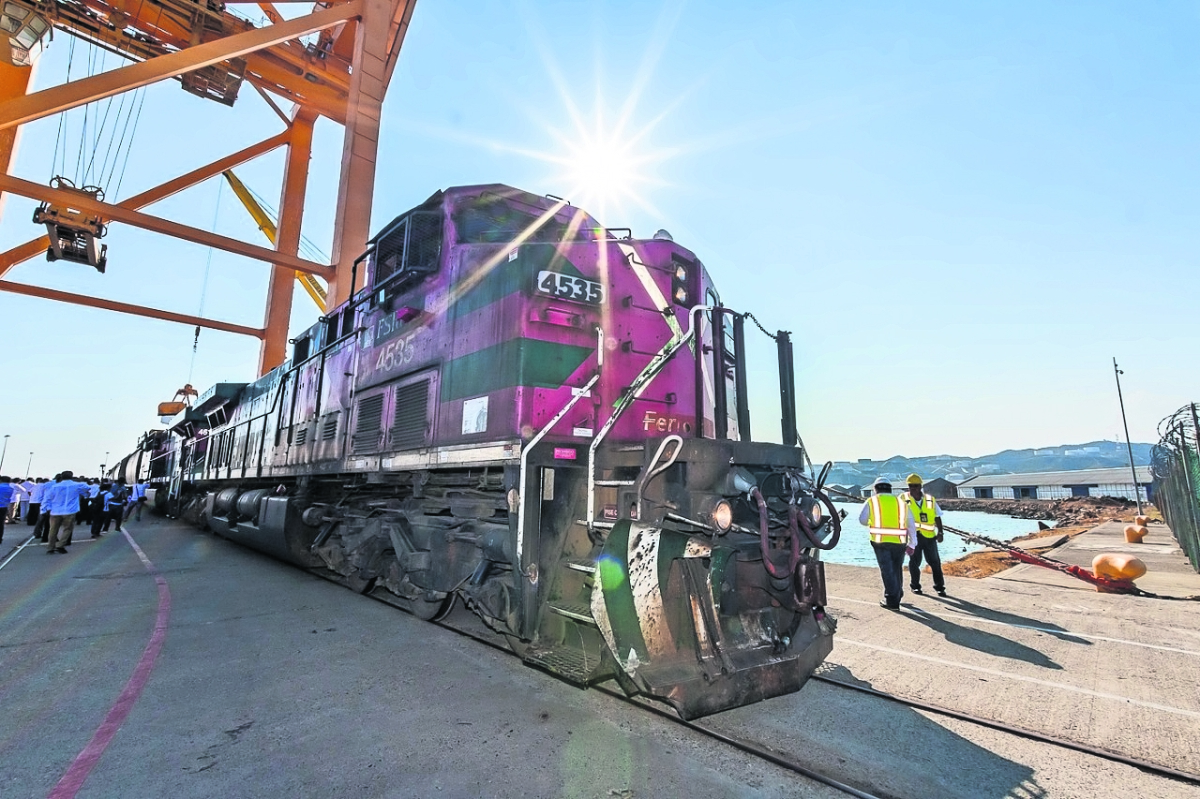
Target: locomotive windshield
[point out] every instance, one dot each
(491, 219)
(410, 245)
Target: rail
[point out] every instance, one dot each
(1175, 464)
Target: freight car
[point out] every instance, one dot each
(546, 421)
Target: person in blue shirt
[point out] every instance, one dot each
(114, 503)
(137, 500)
(7, 492)
(64, 498)
(41, 530)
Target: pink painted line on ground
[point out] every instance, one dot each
(87, 758)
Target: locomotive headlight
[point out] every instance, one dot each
(681, 283)
(722, 516)
(816, 513)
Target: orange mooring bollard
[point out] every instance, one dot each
(1141, 520)
(1134, 533)
(1117, 567)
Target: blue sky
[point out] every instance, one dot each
(962, 211)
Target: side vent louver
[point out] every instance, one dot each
(368, 424)
(329, 431)
(302, 436)
(412, 415)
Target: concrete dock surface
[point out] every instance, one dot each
(197, 668)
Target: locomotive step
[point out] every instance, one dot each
(567, 662)
(601, 525)
(572, 610)
(585, 566)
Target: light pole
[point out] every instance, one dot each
(104, 466)
(5, 450)
(1136, 494)
(29, 465)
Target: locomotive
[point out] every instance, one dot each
(545, 422)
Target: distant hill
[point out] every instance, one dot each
(1066, 457)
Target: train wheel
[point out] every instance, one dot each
(432, 609)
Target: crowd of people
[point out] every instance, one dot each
(52, 507)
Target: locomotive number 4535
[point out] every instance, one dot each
(568, 287)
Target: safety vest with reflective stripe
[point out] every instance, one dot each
(888, 522)
(923, 513)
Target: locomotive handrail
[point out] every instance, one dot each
(658, 466)
(576, 395)
(632, 393)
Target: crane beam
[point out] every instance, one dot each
(317, 77)
(125, 307)
(159, 225)
(379, 33)
(267, 225)
(287, 243)
(76, 93)
(35, 247)
(14, 82)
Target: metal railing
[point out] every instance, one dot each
(1175, 463)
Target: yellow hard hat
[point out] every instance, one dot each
(914, 480)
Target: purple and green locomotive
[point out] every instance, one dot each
(545, 423)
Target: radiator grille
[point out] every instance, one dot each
(368, 424)
(412, 415)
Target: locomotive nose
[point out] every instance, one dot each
(684, 620)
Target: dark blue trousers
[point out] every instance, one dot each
(891, 567)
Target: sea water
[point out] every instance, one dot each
(855, 546)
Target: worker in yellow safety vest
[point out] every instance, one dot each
(927, 518)
(891, 529)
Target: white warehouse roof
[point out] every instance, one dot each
(1074, 478)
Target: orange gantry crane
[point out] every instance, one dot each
(335, 60)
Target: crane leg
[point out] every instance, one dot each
(14, 82)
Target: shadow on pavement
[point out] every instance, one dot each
(876, 745)
(981, 640)
(962, 605)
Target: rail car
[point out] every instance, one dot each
(545, 421)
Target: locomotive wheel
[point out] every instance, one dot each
(359, 585)
(432, 609)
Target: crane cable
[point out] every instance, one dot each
(95, 133)
(204, 283)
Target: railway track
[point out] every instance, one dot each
(1116, 757)
(811, 772)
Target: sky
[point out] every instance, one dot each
(962, 212)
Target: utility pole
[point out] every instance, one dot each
(5, 450)
(1136, 494)
(29, 465)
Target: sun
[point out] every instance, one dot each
(603, 172)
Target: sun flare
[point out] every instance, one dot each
(603, 172)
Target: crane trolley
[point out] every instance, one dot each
(74, 233)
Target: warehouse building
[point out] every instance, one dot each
(1059, 485)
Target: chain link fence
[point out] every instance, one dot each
(1175, 463)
